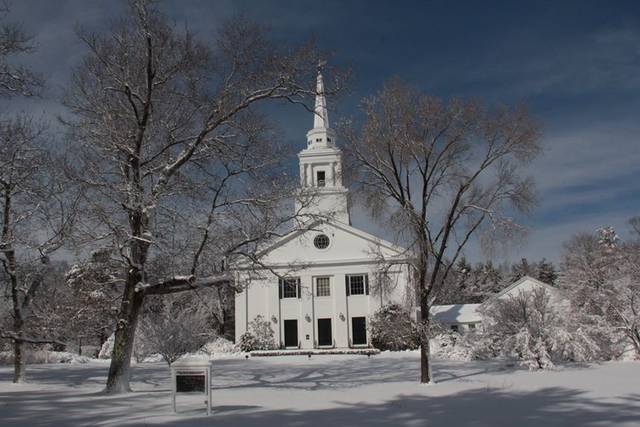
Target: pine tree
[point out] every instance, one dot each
(518, 271)
(547, 272)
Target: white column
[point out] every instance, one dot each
(331, 178)
(303, 178)
(306, 175)
(333, 174)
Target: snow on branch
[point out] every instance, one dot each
(184, 283)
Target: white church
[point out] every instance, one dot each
(322, 282)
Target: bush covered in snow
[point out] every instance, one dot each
(532, 330)
(219, 345)
(392, 328)
(453, 346)
(260, 336)
(174, 330)
(139, 350)
(44, 356)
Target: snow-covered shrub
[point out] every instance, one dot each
(452, 346)
(40, 356)
(531, 329)
(248, 342)
(107, 348)
(219, 345)
(260, 336)
(139, 350)
(174, 331)
(392, 328)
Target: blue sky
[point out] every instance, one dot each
(575, 64)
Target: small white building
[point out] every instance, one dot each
(458, 317)
(321, 282)
(467, 317)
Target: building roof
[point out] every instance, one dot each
(522, 282)
(456, 313)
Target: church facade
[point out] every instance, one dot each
(322, 282)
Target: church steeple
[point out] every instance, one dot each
(321, 118)
(321, 163)
(321, 136)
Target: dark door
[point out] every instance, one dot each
(290, 333)
(359, 330)
(324, 332)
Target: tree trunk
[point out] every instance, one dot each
(425, 332)
(119, 370)
(19, 368)
(425, 362)
(635, 338)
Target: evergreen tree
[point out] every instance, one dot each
(547, 272)
(518, 271)
(489, 279)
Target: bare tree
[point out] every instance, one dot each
(15, 79)
(180, 167)
(36, 219)
(447, 171)
(35, 214)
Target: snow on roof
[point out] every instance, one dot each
(456, 313)
(527, 283)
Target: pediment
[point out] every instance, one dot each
(346, 244)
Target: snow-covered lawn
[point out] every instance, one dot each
(333, 391)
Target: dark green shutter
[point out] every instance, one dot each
(280, 288)
(366, 284)
(346, 285)
(299, 288)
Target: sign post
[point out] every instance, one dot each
(191, 376)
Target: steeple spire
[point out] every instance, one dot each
(321, 136)
(321, 117)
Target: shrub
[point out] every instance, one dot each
(248, 342)
(392, 328)
(260, 336)
(173, 330)
(536, 332)
(451, 345)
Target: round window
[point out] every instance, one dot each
(321, 241)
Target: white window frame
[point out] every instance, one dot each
(295, 281)
(364, 284)
(328, 286)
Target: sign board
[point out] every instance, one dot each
(191, 376)
(190, 382)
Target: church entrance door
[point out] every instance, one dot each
(324, 332)
(291, 333)
(359, 330)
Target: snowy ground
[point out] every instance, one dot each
(332, 391)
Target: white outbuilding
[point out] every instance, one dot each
(321, 282)
(458, 317)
